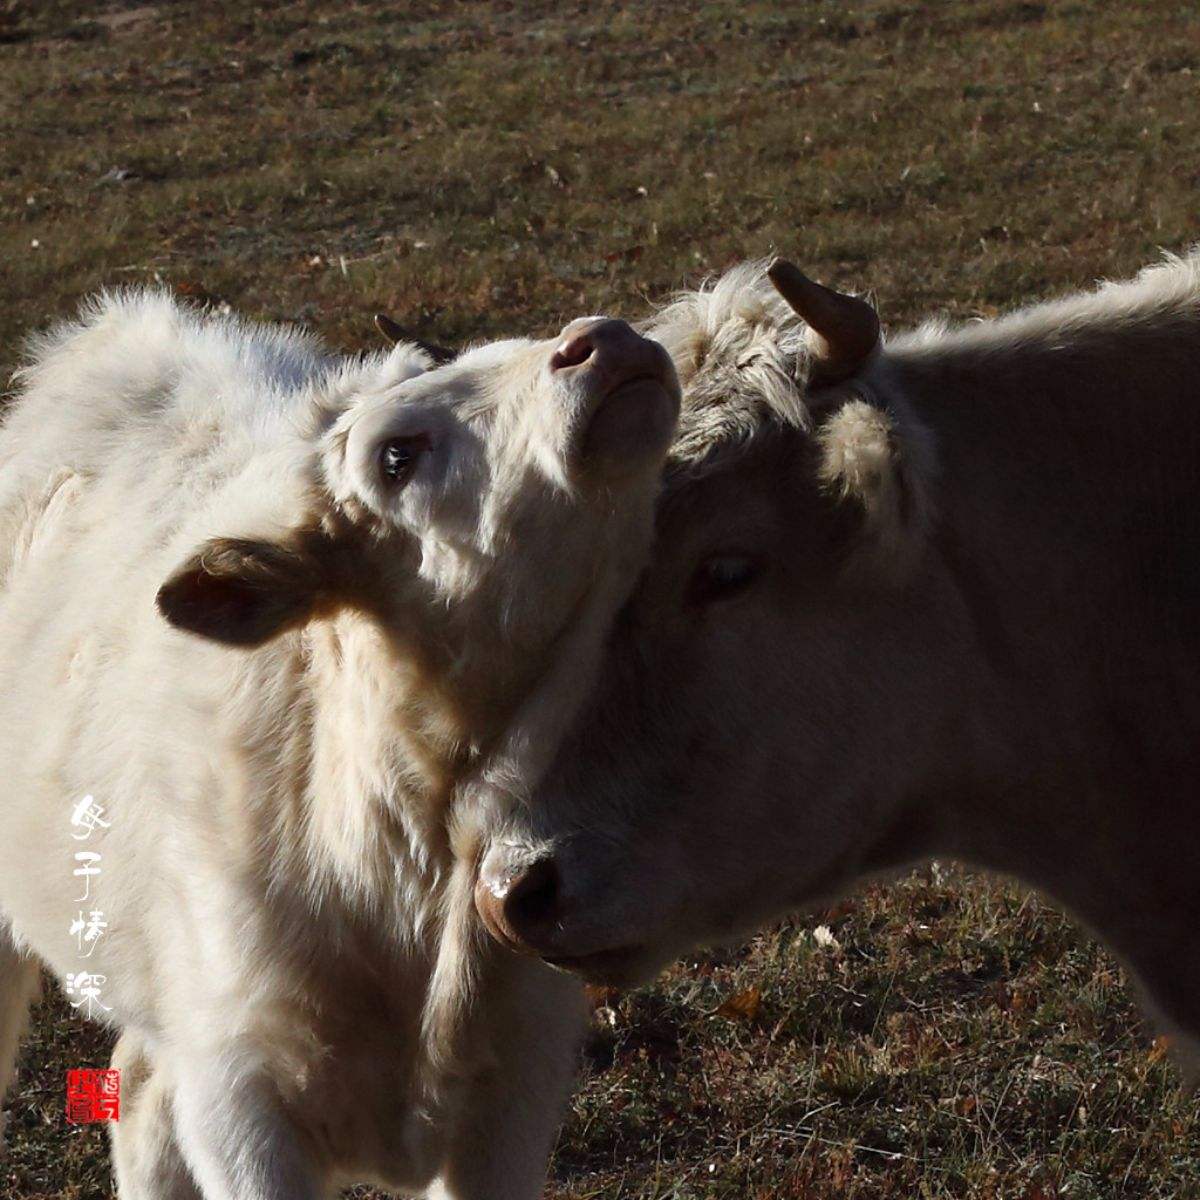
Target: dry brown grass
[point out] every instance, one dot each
(475, 168)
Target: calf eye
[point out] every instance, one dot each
(722, 575)
(398, 457)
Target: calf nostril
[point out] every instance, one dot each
(533, 900)
(572, 352)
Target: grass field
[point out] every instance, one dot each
(475, 168)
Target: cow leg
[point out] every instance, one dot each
(502, 1141)
(146, 1157)
(20, 983)
(235, 1135)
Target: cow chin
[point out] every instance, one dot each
(623, 967)
(604, 955)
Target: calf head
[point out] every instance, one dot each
(472, 513)
(751, 738)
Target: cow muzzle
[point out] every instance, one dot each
(525, 904)
(518, 895)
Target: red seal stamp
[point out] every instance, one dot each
(93, 1096)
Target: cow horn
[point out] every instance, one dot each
(847, 328)
(393, 332)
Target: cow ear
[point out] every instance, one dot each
(243, 592)
(884, 472)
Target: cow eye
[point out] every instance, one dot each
(398, 457)
(722, 575)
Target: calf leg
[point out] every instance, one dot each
(235, 1134)
(502, 1141)
(146, 1156)
(20, 979)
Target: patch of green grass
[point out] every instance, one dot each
(475, 168)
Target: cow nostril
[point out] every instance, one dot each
(532, 902)
(572, 352)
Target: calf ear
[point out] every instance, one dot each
(243, 592)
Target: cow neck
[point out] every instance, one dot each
(1056, 512)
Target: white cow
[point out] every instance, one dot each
(265, 607)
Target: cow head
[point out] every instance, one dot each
(470, 512)
(772, 692)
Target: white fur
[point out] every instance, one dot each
(300, 1007)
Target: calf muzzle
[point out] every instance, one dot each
(632, 389)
